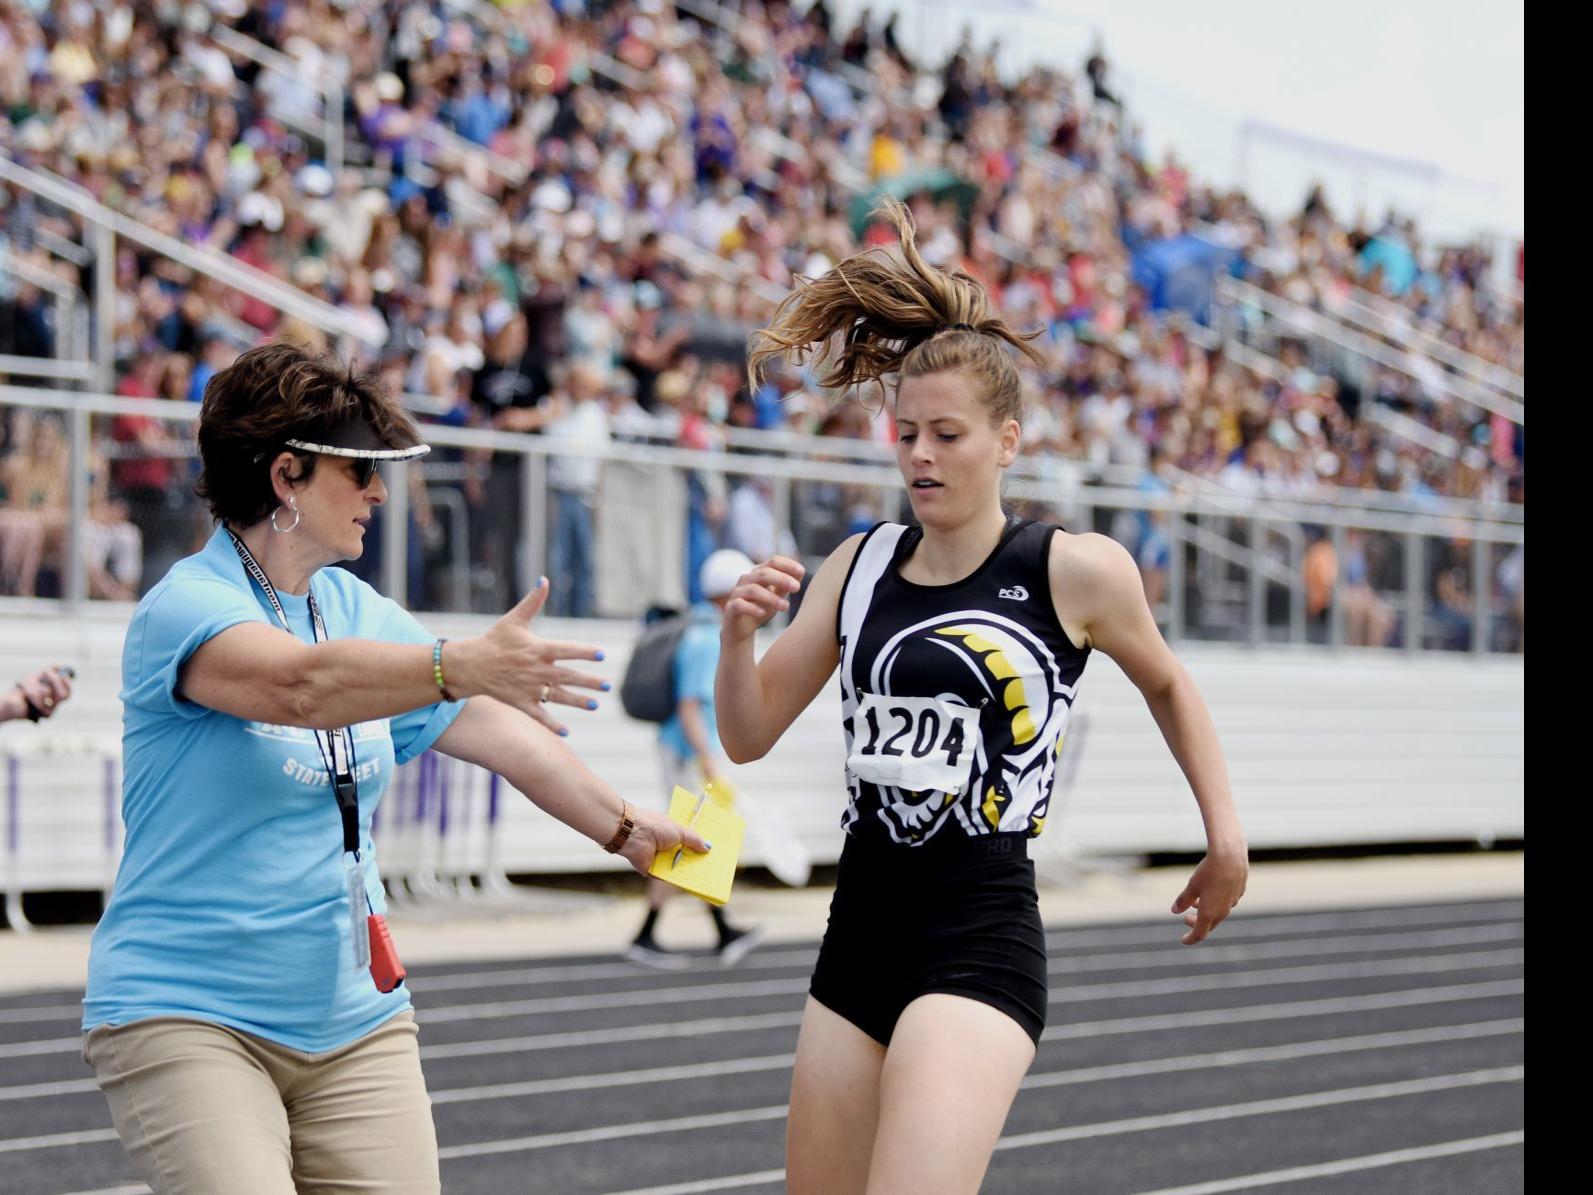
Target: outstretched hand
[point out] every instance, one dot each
(657, 832)
(41, 694)
(760, 595)
(1212, 893)
(520, 669)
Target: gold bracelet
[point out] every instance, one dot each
(626, 827)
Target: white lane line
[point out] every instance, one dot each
(1287, 1010)
(1285, 976)
(610, 1132)
(42, 1012)
(1393, 1157)
(1291, 1103)
(718, 1026)
(1092, 1074)
(33, 1091)
(705, 1027)
(759, 1178)
(1315, 947)
(698, 993)
(1265, 1178)
(1427, 965)
(1134, 1124)
(769, 960)
(1156, 935)
(56, 1140)
(1290, 1050)
(656, 1074)
(1068, 1077)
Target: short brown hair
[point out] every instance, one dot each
(897, 314)
(269, 395)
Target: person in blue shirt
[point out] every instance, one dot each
(244, 1016)
(690, 755)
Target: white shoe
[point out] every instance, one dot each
(739, 944)
(652, 955)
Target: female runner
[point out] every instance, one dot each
(961, 643)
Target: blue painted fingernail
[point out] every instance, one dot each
(607, 686)
(541, 581)
(600, 656)
(564, 732)
(590, 704)
(707, 846)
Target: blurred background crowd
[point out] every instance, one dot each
(564, 218)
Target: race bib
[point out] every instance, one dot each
(916, 743)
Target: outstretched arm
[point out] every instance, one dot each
(756, 701)
(506, 741)
(1096, 588)
(262, 673)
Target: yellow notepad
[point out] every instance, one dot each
(708, 875)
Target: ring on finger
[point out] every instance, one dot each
(546, 689)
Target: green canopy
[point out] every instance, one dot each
(937, 180)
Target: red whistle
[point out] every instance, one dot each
(386, 968)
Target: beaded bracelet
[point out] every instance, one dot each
(437, 672)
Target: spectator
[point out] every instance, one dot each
(145, 466)
(573, 479)
(38, 696)
(34, 477)
(690, 755)
(172, 134)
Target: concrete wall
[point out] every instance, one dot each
(1359, 747)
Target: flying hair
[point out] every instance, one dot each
(885, 312)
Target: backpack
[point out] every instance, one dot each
(647, 691)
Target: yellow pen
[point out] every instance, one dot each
(696, 809)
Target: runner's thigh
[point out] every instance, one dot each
(949, 1079)
(834, 1104)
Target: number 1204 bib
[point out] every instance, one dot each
(916, 743)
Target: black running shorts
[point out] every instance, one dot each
(958, 915)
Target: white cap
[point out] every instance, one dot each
(721, 572)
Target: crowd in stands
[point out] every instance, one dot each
(564, 217)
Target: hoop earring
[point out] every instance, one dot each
(290, 526)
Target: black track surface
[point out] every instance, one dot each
(1341, 1036)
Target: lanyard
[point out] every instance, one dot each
(336, 746)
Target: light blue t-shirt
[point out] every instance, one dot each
(231, 902)
(696, 662)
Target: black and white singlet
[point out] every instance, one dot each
(955, 700)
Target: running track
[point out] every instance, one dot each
(1317, 1053)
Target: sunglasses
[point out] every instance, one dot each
(364, 470)
(364, 467)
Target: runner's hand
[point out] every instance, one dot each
(759, 596)
(1212, 892)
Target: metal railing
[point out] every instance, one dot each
(323, 83)
(1232, 293)
(1375, 314)
(1230, 569)
(71, 315)
(106, 224)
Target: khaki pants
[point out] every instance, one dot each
(203, 1109)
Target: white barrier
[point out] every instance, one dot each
(1323, 748)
